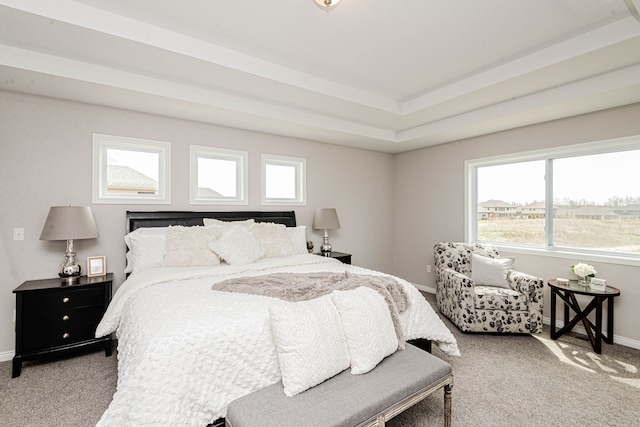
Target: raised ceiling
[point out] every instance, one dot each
(389, 76)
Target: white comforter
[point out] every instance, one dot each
(186, 351)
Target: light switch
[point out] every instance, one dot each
(18, 234)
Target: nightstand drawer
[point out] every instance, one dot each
(62, 318)
(61, 299)
(58, 337)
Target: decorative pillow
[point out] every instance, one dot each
(298, 237)
(237, 246)
(368, 327)
(146, 248)
(309, 341)
(274, 238)
(228, 225)
(490, 271)
(189, 246)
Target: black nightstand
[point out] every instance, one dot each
(52, 318)
(340, 256)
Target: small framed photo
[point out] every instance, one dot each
(96, 266)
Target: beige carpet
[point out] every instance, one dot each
(499, 381)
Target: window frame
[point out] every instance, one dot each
(242, 175)
(547, 155)
(101, 143)
(300, 165)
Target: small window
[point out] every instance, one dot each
(218, 176)
(283, 180)
(130, 170)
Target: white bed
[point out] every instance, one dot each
(185, 351)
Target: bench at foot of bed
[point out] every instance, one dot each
(397, 383)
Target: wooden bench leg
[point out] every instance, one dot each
(447, 405)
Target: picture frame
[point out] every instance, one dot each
(96, 266)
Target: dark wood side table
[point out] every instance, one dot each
(54, 318)
(340, 256)
(568, 295)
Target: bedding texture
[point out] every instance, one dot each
(186, 351)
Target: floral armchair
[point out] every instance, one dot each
(515, 308)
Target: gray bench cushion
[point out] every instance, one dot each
(346, 399)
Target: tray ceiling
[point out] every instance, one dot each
(386, 76)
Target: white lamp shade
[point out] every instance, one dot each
(326, 218)
(69, 222)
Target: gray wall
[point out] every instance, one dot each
(429, 204)
(393, 209)
(45, 160)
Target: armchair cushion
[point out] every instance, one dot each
(495, 298)
(490, 271)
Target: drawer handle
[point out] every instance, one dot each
(65, 335)
(65, 300)
(65, 317)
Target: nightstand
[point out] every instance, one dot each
(340, 256)
(54, 318)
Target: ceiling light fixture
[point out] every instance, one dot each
(326, 4)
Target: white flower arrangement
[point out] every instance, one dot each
(584, 270)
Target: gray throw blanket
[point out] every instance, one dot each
(295, 287)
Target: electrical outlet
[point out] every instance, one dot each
(18, 234)
(428, 268)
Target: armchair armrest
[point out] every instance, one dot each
(529, 285)
(461, 285)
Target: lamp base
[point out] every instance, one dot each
(70, 270)
(326, 246)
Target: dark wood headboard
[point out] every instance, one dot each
(137, 220)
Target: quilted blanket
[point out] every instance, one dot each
(185, 351)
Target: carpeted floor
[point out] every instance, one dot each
(512, 380)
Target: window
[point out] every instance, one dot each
(283, 180)
(130, 170)
(582, 198)
(218, 176)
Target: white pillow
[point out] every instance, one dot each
(189, 246)
(309, 341)
(298, 237)
(146, 248)
(228, 225)
(490, 271)
(237, 246)
(274, 238)
(368, 327)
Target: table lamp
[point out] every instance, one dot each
(69, 223)
(326, 219)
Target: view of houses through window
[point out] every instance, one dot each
(595, 201)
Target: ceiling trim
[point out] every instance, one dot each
(608, 35)
(109, 23)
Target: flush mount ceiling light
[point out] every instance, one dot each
(326, 4)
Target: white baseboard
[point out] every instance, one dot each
(6, 356)
(617, 339)
(424, 288)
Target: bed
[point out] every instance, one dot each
(186, 349)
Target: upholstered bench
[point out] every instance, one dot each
(397, 383)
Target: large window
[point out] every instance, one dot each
(218, 176)
(283, 180)
(130, 170)
(583, 198)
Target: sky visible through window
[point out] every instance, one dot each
(144, 162)
(593, 179)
